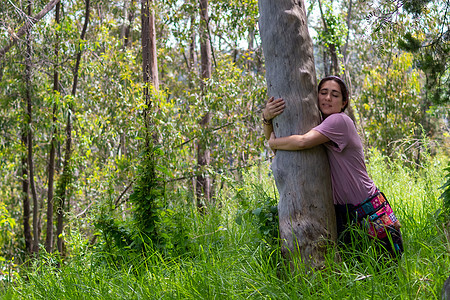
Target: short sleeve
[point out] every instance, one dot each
(335, 128)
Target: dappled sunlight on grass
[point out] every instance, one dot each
(228, 256)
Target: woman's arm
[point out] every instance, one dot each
(272, 109)
(297, 142)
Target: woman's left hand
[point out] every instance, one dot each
(271, 141)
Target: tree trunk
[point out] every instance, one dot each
(25, 198)
(28, 75)
(127, 27)
(344, 51)
(66, 177)
(149, 57)
(203, 186)
(51, 161)
(192, 55)
(306, 212)
(149, 64)
(335, 68)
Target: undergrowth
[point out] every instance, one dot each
(233, 252)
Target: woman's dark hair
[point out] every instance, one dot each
(344, 90)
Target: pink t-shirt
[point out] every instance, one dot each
(351, 183)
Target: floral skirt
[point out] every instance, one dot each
(347, 222)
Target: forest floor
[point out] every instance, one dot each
(228, 256)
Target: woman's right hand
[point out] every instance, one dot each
(273, 108)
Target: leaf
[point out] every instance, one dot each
(257, 211)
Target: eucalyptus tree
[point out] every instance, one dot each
(63, 187)
(232, 95)
(52, 152)
(331, 37)
(389, 103)
(428, 39)
(203, 186)
(390, 28)
(305, 209)
(30, 21)
(29, 133)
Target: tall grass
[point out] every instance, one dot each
(225, 259)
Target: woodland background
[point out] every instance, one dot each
(97, 157)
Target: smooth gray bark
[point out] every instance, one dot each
(203, 186)
(306, 212)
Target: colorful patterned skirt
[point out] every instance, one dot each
(375, 216)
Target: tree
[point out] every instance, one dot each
(149, 57)
(30, 142)
(28, 24)
(66, 177)
(149, 61)
(389, 103)
(306, 213)
(52, 154)
(203, 187)
(428, 39)
(331, 38)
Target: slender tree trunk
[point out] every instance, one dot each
(203, 186)
(149, 56)
(149, 63)
(127, 27)
(28, 78)
(25, 197)
(51, 161)
(192, 56)
(66, 177)
(306, 212)
(335, 68)
(349, 14)
(125, 19)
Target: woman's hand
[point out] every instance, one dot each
(273, 108)
(271, 141)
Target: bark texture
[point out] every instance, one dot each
(52, 154)
(203, 186)
(63, 193)
(26, 197)
(149, 57)
(30, 142)
(306, 212)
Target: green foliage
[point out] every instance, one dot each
(331, 36)
(230, 264)
(147, 196)
(390, 106)
(114, 233)
(336, 28)
(409, 43)
(415, 6)
(433, 60)
(419, 28)
(147, 200)
(263, 213)
(7, 224)
(445, 196)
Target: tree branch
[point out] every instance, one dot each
(28, 24)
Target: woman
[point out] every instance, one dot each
(351, 184)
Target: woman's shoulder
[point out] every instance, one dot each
(338, 118)
(339, 122)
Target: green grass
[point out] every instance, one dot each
(225, 260)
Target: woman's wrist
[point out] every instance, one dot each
(265, 121)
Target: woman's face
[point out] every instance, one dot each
(330, 98)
